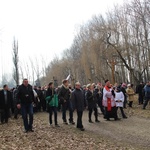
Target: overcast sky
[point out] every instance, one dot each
(43, 27)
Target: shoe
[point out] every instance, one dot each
(82, 129)
(51, 125)
(57, 125)
(125, 117)
(65, 122)
(90, 121)
(97, 121)
(144, 108)
(117, 119)
(31, 130)
(72, 122)
(25, 131)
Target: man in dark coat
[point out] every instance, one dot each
(139, 91)
(5, 104)
(25, 97)
(77, 98)
(64, 97)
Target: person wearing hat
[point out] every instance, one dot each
(119, 99)
(64, 97)
(109, 102)
(92, 105)
(77, 98)
(130, 92)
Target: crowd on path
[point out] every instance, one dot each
(27, 100)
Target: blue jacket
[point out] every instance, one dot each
(147, 91)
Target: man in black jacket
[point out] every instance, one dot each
(78, 104)
(64, 97)
(5, 104)
(25, 98)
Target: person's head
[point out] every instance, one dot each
(65, 83)
(51, 85)
(148, 83)
(25, 82)
(123, 85)
(118, 89)
(93, 84)
(107, 83)
(84, 87)
(35, 87)
(89, 87)
(129, 85)
(5, 87)
(77, 85)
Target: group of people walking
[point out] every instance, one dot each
(108, 98)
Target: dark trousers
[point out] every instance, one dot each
(122, 112)
(130, 103)
(44, 105)
(16, 112)
(5, 113)
(146, 102)
(27, 109)
(51, 110)
(140, 98)
(68, 106)
(95, 113)
(125, 102)
(79, 119)
(101, 106)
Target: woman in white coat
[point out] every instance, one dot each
(119, 99)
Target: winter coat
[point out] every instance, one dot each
(99, 95)
(77, 99)
(147, 91)
(51, 98)
(9, 103)
(25, 94)
(91, 99)
(119, 96)
(130, 93)
(64, 94)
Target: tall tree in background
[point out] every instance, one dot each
(15, 62)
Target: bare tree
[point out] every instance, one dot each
(16, 62)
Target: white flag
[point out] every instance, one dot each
(68, 77)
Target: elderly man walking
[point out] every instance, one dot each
(77, 98)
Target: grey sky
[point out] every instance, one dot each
(43, 27)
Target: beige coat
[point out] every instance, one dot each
(130, 93)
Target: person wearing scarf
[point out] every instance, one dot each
(109, 102)
(64, 97)
(92, 105)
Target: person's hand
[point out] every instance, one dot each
(18, 106)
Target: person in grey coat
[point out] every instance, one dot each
(77, 98)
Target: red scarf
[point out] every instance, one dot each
(108, 99)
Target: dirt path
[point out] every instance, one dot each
(131, 133)
(134, 131)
